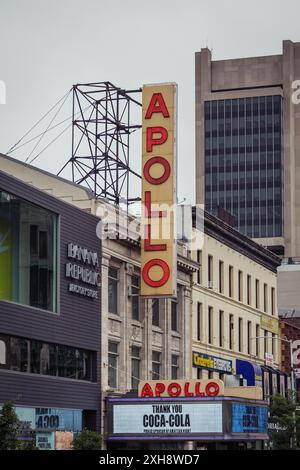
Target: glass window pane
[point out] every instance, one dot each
(19, 351)
(28, 253)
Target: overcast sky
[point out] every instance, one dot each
(46, 46)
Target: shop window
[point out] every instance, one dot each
(28, 253)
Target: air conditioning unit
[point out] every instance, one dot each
(210, 284)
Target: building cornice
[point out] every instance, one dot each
(234, 239)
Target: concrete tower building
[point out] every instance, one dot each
(248, 144)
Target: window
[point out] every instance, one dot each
(249, 337)
(273, 343)
(175, 366)
(19, 355)
(240, 283)
(221, 277)
(248, 289)
(210, 374)
(199, 261)
(231, 328)
(156, 363)
(210, 325)
(113, 357)
(199, 373)
(28, 254)
(257, 298)
(265, 297)
(257, 334)
(199, 321)
(221, 328)
(210, 271)
(135, 297)
(3, 355)
(38, 357)
(66, 362)
(135, 366)
(273, 301)
(155, 312)
(240, 334)
(113, 294)
(265, 342)
(230, 281)
(174, 325)
(243, 147)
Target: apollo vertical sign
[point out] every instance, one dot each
(158, 256)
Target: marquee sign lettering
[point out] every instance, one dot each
(181, 388)
(158, 256)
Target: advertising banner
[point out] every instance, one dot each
(45, 440)
(58, 418)
(167, 418)
(270, 324)
(249, 418)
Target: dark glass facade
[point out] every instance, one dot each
(50, 336)
(28, 252)
(243, 162)
(39, 357)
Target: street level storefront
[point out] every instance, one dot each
(182, 415)
(50, 260)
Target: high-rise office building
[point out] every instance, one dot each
(248, 144)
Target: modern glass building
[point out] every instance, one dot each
(243, 162)
(49, 312)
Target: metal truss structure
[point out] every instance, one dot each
(100, 140)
